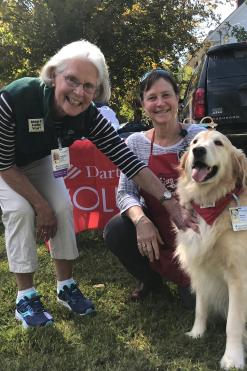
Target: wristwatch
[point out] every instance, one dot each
(167, 195)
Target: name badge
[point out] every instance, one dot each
(36, 125)
(207, 205)
(60, 161)
(238, 218)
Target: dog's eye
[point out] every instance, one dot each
(194, 141)
(218, 143)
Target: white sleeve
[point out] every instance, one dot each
(128, 194)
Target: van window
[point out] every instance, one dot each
(227, 64)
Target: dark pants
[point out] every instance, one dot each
(120, 237)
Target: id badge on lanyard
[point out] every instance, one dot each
(60, 160)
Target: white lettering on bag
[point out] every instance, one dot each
(94, 172)
(99, 198)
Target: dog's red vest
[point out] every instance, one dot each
(210, 214)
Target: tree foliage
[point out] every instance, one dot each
(27, 32)
(239, 33)
(134, 35)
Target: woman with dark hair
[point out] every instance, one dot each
(142, 236)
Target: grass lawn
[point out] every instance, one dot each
(122, 336)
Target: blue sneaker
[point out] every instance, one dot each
(32, 312)
(73, 299)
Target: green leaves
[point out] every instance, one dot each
(27, 38)
(135, 36)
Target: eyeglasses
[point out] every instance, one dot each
(73, 83)
(160, 71)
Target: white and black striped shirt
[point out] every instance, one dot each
(102, 135)
(7, 135)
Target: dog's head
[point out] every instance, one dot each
(212, 159)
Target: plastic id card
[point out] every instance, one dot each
(238, 218)
(60, 161)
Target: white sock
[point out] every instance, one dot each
(61, 284)
(27, 292)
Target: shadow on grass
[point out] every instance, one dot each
(122, 336)
(154, 331)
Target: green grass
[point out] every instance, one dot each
(122, 336)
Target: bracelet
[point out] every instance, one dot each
(138, 220)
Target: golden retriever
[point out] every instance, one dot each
(212, 180)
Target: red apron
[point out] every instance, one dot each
(165, 167)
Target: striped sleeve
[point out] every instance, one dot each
(107, 140)
(7, 134)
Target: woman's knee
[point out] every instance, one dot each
(117, 231)
(18, 210)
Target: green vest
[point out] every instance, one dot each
(36, 133)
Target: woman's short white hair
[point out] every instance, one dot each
(81, 49)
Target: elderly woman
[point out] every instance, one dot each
(142, 236)
(39, 119)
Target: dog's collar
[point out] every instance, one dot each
(210, 214)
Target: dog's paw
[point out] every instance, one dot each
(197, 330)
(195, 334)
(229, 361)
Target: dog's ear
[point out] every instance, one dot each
(239, 162)
(182, 162)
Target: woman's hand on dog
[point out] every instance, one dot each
(180, 216)
(148, 239)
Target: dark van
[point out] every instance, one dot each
(218, 88)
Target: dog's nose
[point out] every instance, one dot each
(199, 152)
